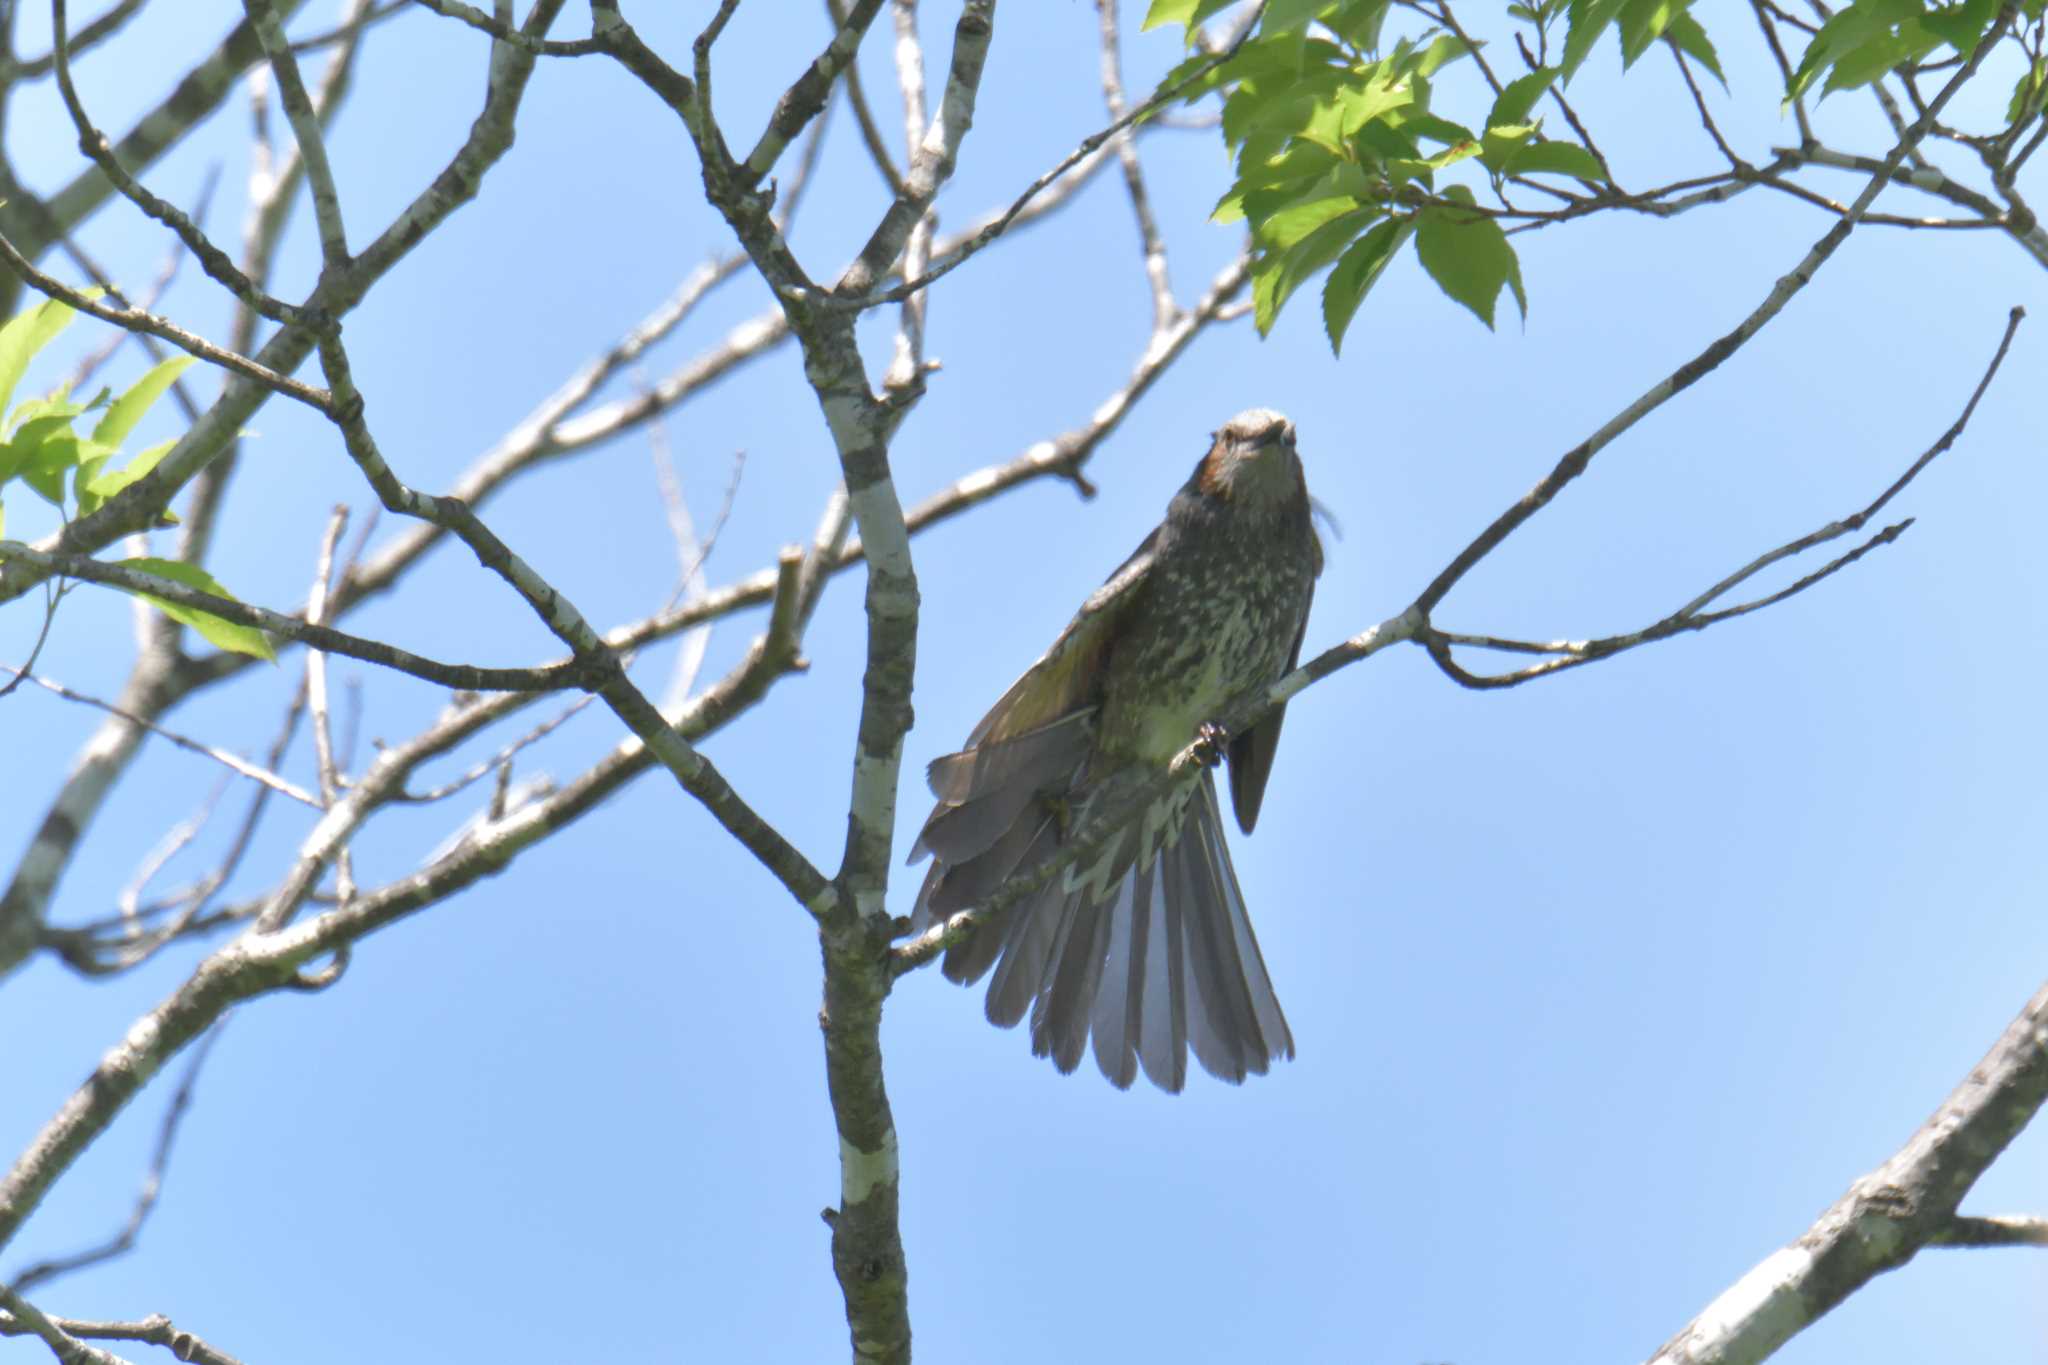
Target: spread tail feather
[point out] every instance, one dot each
(1154, 957)
(1145, 949)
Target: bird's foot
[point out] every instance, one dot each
(1212, 741)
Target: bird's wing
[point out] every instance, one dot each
(1251, 753)
(1036, 735)
(1063, 680)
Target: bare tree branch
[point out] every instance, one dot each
(240, 766)
(154, 1331)
(95, 145)
(122, 1242)
(1685, 376)
(196, 95)
(68, 1349)
(805, 99)
(856, 95)
(149, 324)
(1694, 615)
(523, 39)
(305, 121)
(2008, 1231)
(1149, 241)
(860, 292)
(551, 677)
(1886, 1216)
(95, 31)
(490, 136)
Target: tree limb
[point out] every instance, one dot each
(1886, 1216)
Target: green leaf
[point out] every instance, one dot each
(1276, 275)
(1422, 167)
(25, 334)
(1513, 104)
(125, 411)
(1188, 13)
(1685, 34)
(54, 404)
(1589, 19)
(1284, 16)
(1169, 12)
(1846, 29)
(1300, 161)
(53, 459)
(1643, 22)
(95, 487)
(2028, 96)
(1357, 271)
(1417, 124)
(1555, 158)
(1358, 22)
(1380, 141)
(29, 436)
(1436, 56)
(1502, 145)
(1861, 43)
(1466, 254)
(1263, 202)
(1873, 59)
(1350, 106)
(1283, 229)
(1961, 25)
(1283, 105)
(1215, 76)
(225, 634)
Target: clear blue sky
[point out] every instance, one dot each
(1602, 988)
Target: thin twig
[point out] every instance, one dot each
(124, 1241)
(869, 298)
(507, 33)
(156, 1330)
(870, 131)
(1694, 615)
(547, 678)
(94, 144)
(316, 659)
(68, 1349)
(1152, 246)
(1576, 460)
(240, 766)
(2007, 1231)
(305, 121)
(138, 320)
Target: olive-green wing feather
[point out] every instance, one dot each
(1065, 677)
(1032, 741)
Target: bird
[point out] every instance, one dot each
(1143, 943)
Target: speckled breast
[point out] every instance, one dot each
(1222, 606)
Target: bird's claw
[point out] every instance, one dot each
(1211, 742)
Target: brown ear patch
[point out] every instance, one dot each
(1210, 477)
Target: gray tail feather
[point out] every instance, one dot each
(1146, 957)
(1165, 961)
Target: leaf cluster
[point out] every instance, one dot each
(1341, 157)
(77, 472)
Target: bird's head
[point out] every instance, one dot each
(1251, 461)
